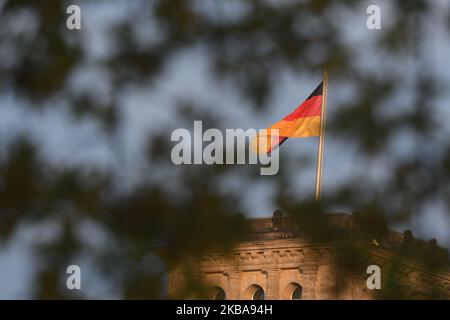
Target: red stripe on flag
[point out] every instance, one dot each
(310, 108)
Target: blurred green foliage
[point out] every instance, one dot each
(251, 45)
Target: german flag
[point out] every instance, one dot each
(303, 122)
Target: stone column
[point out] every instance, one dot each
(233, 291)
(273, 284)
(325, 286)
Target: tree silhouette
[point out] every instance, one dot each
(118, 227)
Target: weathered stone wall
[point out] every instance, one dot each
(274, 266)
(278, 259)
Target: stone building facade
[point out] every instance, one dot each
(277, 262)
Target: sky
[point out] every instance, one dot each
(187, 76)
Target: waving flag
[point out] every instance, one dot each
(303, 122)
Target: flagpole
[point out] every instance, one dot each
(321, 136)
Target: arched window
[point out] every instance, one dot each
(293, 291)
(217, 293)
(258, 294)
(296, 293)
(255, 292)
